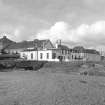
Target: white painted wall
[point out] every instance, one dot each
(44, 55)
(68, 57)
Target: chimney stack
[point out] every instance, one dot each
(4, 37)
(58, 43)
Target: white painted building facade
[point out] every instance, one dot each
(54, 54)
(66, 54)
(41, 55)
(46, 50)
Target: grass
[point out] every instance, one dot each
(35, 88)
(63, 67)
(54, 84)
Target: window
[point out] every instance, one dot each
(16, 52)
(31, 55)
(75, 57)
(41, 55)
(53, 55)
(72, 57)
(68, 52)
(47, 55)
(62, 52)
(65, 52)
(23, 54)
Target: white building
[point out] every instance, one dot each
(43, 50)
(80, 53)
(49, 54)
(61, 52)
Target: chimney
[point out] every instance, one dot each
(56, 45)
(4, 37)
(36, 43)
(58, 42)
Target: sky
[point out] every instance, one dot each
(75, 22)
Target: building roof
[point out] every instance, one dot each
(29, 44)
(40, 44)
(91, 51)
(83, 50)
(79, 48)
(63, 47)
(6, 41)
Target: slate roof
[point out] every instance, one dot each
(91, 51)
(6, 41)
(78, 49)
(63, 47)
(39, 44)
(29, 44)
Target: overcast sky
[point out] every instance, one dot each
(76, 22)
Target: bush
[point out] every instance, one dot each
(27, 65)
(7, 64)
(30, 65)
